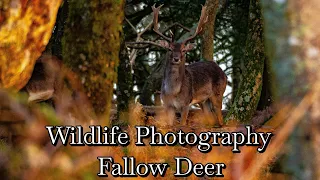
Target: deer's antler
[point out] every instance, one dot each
(142, 44)
(203, 19)
(155, 22)
(140, 41)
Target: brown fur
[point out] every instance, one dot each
(54, 83)
(44, 76)
(185, 85)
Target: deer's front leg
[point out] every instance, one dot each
(171, 114)
(184, 115)
(217, 106)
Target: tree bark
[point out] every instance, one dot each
(266, 98)
(239, 10)
(54, 46)
(124, 84)
(248, 95)
(208, 34)
(91, 47)
(153, 82)
(25, 29)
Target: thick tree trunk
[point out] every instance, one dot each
(240, 14)
(248, 95)
(208, 34)
(91, 47)
(25, 29)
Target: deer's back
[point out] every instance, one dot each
(207, 79)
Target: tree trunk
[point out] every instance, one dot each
(266, 92)
(91, 47)
(240, 14)
(54, 46)
(25, 29)
(153, 82)
(124, 84)
(248, 95)
(208, 34)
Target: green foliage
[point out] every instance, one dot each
(49, 113)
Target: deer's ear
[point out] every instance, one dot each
(189, 47)
(164, 44)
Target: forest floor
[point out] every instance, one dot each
(32, 137)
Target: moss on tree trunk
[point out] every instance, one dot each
(208, 34)
(248, 94)
(239, 23)
(91, 46)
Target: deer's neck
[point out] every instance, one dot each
(173, 78)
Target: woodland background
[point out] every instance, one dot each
(268, 49)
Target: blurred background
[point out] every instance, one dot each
(67, 62)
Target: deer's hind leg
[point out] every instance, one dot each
(184, 115)
(217, 106)
(209, 119)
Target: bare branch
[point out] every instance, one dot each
(135, 30)
(130, 44)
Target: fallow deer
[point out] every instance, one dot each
(52, 82)
(184, 85)
(43, 83)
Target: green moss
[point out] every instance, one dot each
(249, 91)
(91, 46)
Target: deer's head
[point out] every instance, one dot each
(176, 51)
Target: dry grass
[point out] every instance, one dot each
(34, 156)
(25, 150)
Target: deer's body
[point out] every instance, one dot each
(43, 83)
(53, 83)
(185, 85)
(199, 81)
